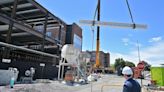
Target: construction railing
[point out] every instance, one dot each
(111, 88)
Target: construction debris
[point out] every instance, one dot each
(7, 75)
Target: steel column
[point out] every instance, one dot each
(23, 27)
(9, 32)
(60, 42)
(59, 36)
(44, 32)
(60, 33)
(13, 15)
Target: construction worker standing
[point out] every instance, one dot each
(130, 84)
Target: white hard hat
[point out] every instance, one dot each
(127, 70)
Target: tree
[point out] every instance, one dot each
(119, 63)
(130, 64)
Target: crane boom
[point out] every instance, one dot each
(99, 23)
(98, 37)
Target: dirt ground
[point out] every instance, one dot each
(107, 83)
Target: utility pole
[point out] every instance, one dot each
(138, 52)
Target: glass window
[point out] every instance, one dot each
(49, 34)
(77, 42)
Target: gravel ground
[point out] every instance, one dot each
(107, 83)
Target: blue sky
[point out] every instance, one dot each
(118, 42)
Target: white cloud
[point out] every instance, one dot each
(125, 41)
(130, 35)
(155, 39)
(152, 54)
(132, 58)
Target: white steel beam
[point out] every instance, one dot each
(113, 24)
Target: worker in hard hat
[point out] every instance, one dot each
(130, 84)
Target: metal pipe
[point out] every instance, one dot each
(62, 73)
(59, 70)
(28, 50)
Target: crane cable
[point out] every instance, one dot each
(93, 25)
(94, 18)
(134, 28)
(131, 16)
(92, 28)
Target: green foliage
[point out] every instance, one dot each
(120, 62)
(131, 64)
(112, 67)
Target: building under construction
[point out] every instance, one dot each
(104, 58)
(31, 36)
